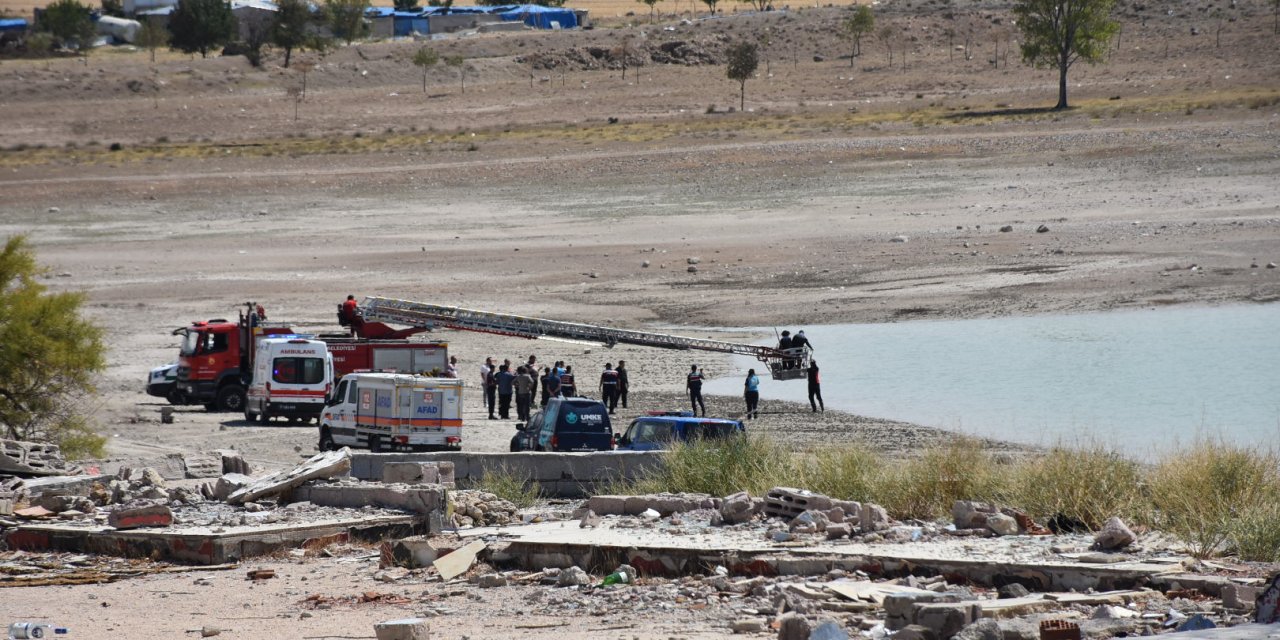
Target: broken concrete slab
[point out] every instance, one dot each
(568, 475)
(874, 592)
(458, 562)
(430, 501)
(417, 552)
(31, 459)
(140, 515)
(230, 483)
(207, 545)
(326, 464)
(63, 485)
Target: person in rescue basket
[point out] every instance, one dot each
(609, 387)
(694, 385)
(815, 388)
(524, 392)
(623, 383)
(505, 381)
(785, 343)
(751, 391)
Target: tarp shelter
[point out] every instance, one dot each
(407, 23)
(539, 16)
(13, 25)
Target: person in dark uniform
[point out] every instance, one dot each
(568, 388)
(623, 383)
(505, 381)
(694, 384)
(785, 343)
(609, 387)
(800, 341)
(815, 388)
(532, 367)
(550, 385)
(489, 381)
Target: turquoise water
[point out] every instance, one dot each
(1141, 380)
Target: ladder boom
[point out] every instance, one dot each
(425, 314)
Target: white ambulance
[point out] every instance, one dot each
(393, 412)
(292, 378)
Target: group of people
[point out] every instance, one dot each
(751, 391)
(501, 385)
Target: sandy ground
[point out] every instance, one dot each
(519, 196)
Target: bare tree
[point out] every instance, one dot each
(459, 62)
(304, 67)
(886, 36)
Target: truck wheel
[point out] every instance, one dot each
(176, 397)
(231, 398)
(326, 440)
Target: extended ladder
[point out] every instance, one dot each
(787, 365)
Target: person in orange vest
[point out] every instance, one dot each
(348, 318)
(609, 387)
(567, 387)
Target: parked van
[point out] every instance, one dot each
(292, 377)
(661, 430)
(566, 424)
(393, 412)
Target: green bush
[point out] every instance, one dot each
(849, 472)
(723, 467)
(924, 488)
(1199, 495)
(1256, 533)
(508, 486)
(1089, 484)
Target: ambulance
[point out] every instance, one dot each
(393, 412)
(291, 378)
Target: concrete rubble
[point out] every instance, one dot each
(791, 562)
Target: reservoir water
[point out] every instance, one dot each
(1140, 380)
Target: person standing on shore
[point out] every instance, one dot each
(568, 388)
(525, 385)
(532, 367)
(815, 388)
(694, 384)
(623, 384)
(550, 385)
(505, 382)
(488, 386)
(752, 394)
(609, 387)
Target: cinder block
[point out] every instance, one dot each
(787, 502)
(1240, 597)
(899, 608)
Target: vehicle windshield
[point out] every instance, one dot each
(650, 432)
(298, 370)
(190, 343)
(713, 430)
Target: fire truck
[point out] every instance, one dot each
(216, 357)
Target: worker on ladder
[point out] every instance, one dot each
(348, 313)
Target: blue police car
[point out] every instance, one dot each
(659, 430)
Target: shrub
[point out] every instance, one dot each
(850, 472)
(722, 467)
(1198, 495)
(1089, 484)
(924, 488)
(508, 486)
(1256, 533)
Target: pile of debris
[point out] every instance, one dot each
(480, 508)
(702, 51)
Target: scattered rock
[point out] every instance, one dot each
(985, 629)
(573, 577)
(874, 518)
(140, 515)
(1002, 524)
(747, 626)
(694, 260)
(737, 508)
(1006, 229)
(793, 627)
(644, 265)
(407, 629)
(1042, 229)
(692, 269)
(1013, 590)
(492, 580)
(837, 531)
(1113, 535)
(898, 239)
(590, 520)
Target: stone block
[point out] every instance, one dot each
(986, 629)
(6, 506)
(446, 471)
(134, 517)
(945, 618)
(230, 483)
(874, 517)
(852, 510)
(202, 465)
(838, 530)
(492, 580)
(900, 608)
(747, 626)
(635, 505)
(792, 626)
(1002, 525)
(736, 508)
(410, 473)
(967, 514)
(233, 462)
(406, 629)
(915, 632)
(412, 553)
(607, 505)
(1239, 597)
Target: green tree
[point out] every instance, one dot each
(711, 4)
(113, 8)
(290, 31)
(426, 57)
(48, 356)
(856, 25)
(652, 4)
(758, 5)
(743, 61)
(458, 61)
(406, 5)
(346, 18)
(1057, 33)
(152, 36)
(69, 21)
(198, 26)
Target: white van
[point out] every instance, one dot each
(292, 378)
(393, 412)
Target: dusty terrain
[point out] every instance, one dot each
(518, 195)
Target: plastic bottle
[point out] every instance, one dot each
(617, 577)
(31, 630)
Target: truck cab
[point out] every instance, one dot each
(393, 412)
(215, 358)
(292, 378)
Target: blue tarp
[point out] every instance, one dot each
(538, 16)
(13, 24)
(404, 23)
